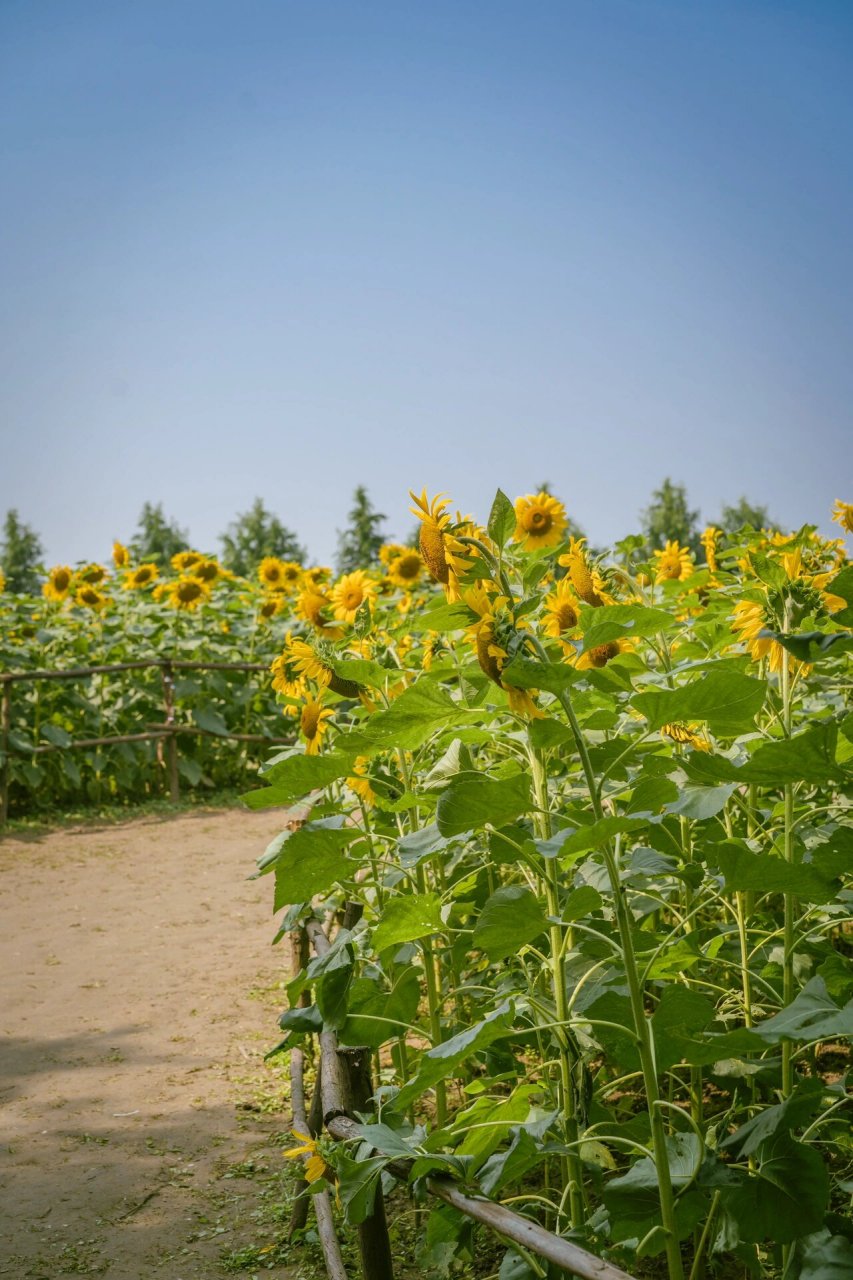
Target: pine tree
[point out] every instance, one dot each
(254, 534)
(21, 553)
(358, 545)
(744, 512)
(668, 518)
(157, 538)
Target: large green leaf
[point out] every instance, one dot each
(407, 918)
(807, 757)
(813, 1015)
(811, 646)
(745, 871)
(786, 1197)
(502, 519)
(473, 799)
(597, 834)
(621, 621)
(824, 1256)
(210, 720)
(439, 1061)
(511, 917)
(633, 1199)
(529, 673)
(726, 700)
(793, 1113)
(842, 585)
(311, 861)
(297, 776)
(376, 1014)
(411, 719)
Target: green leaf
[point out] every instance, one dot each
(802, 1106)
(725, 699)
(210, 721)
(439, 1061)
(787, 1196)
(405, 919)
(511, 917)
(762, 873)
(807, 757)
(377, 1014)
(386, 1140)
(302, 1019)
(411, 719)
(620, 621)
(502, 519)
(546, 732)
(473, 799)
(525, 673)
(358, 1181)
(311, 861)
(332, 989)
(443, 618)
(598, 833)
(510, 1165)
(701, 803)
(813, 1015)
(811, 646)
(56, 734)
(297, 776)
(842, 585)
(823, 1256)
(633, 1200)
(681, 1011)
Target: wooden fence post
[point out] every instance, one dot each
(375, 1246)
(172, 740)
(5, 771)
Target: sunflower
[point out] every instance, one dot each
(312, 723)
(674, 563)
(310, 605)
(540, 521)
(286, 676)
(91, 598)
(93, 574)
(207, 570)
(271, 573)
(184, 560)
(561, 611)
(142, 576)
(58, 582)
(686, 735)
(390, 551)
(350, 593)
(600, 655)
(315, 1165)
(405, 568)
(441, 552)
(270, 606)
(750, 619)
(842, 513)
(2, 580)
(586, 581)
(486, 636)
(359, 782)
(186, 593)
(709, 539)
(316, 576)
(434, 646)
(121, 555)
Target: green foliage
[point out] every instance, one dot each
(255, 534)
(743, 512)
(359, 543)
(21, 553)
(669, 518)
(157, 538)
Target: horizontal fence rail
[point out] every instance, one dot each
(168, 732)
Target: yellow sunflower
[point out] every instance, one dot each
(91, 598)
(561, 611)
(142, 576)
(359, 782)
(842, 513)
(316, 576)
(674, 562)
(710, 538)
(312, 723)
(315, 1165)
(186, 593)
(540, 521)
(311, 606)
(184, 560)
(350, 593)
(750, 619)
(600, 655)
(287, 678)
(58, 582)
(405, 568)
(2, 580)
(686, 735)
(390, 551)
(270, 607)
(93, 574)
(271, 573)
(586, 581)
(491, 655)
(442, 553)
(121, 555)
(207, 570)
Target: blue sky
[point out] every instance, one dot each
(281, 248)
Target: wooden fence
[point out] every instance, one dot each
(168, 730)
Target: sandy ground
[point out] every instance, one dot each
(136, 1114)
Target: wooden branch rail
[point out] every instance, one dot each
(511, 1226)
(169, 730)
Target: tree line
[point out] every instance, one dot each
(258, 532)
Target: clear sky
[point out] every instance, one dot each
(283, 247)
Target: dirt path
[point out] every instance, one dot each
(137, 1118)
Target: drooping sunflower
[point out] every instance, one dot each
(600, 655)
(142, 576)
(58, 583)
(674, 562)
(486, 636)
(93, 574)
(710, 538)
(186, 593)
(349, 594)
(298, 662)
(442, 553)
(184, 560)
(540, 521)
(121, 555)
(312, 605)
(586, 581)
(404, 570)
(359, 782)
(312, 723)
(842, 514)
(91, 598)
(686, 735)
(315, 1166)
(561, 611)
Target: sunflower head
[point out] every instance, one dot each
(2, 580)
(92, 574)
(121, 555)
(600, 655)
(91, 598)
(316, 576)
(312, 724)
(686, 735)
(710, 539)
(432, 538)
(561, 611)
(390, 550)
(584, 579)
(187, 593)
(58, 582)
(404, 570)
(842, 514)
(673, 562)
(142, 576)
(540, 521)
(271, 573)
(206, 569)
(349, 593)
(269, 607)
(312, 605)
(182, 561)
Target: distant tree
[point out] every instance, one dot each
(668, 517)
(254, 534)
(744, 512)
(21, 553)
(358, 545)
(157, 538)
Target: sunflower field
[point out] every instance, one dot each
(592, 812)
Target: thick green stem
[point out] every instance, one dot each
(788, 850)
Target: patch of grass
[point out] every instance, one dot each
(109, 814)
